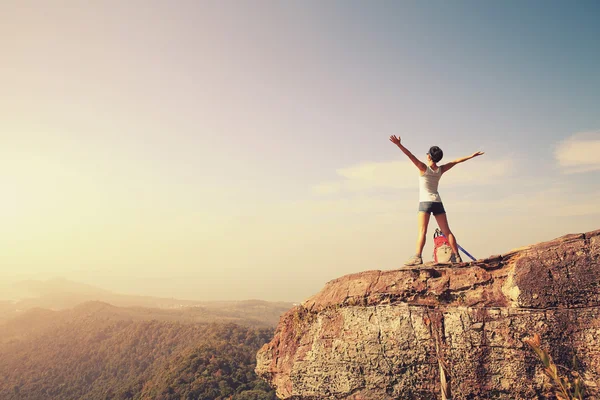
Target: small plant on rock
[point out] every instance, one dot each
(565, 388)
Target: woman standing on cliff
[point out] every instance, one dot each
(429, 198)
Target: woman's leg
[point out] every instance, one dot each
(423, 222)
(442, 221)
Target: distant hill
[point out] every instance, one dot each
(59, 294)
(100, 351)
(39, 319)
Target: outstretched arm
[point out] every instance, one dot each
(396, 140)
(451, 164)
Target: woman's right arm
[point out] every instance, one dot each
(451, 164)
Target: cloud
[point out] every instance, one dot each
(369, 176)
(579, 152)
(555, 204)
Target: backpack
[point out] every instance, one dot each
(442, 252)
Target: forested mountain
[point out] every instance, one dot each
(98, 351)
(60, 294)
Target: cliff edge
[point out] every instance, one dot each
(379, 335)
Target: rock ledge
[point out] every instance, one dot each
(381, 334)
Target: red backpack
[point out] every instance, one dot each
(442, 252)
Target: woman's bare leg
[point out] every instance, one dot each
(423, 222)
(442, 221)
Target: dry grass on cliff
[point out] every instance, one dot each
(564, 387)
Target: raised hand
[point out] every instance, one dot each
(479, 153)
(395, 140)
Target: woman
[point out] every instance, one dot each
(430, 201)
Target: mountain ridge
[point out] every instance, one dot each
(62, 294)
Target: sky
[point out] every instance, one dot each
(230, 150)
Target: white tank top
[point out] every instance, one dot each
(428, 185)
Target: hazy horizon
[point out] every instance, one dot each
(223, 150)
(13, 290)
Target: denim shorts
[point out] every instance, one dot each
(431, 207)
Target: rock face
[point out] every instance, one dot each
(380, 335)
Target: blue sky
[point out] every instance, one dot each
(227, 150)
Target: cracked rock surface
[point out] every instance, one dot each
(378, 335)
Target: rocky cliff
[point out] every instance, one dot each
(398, 334)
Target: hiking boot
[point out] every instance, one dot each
(414, 260)
(455, 259)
